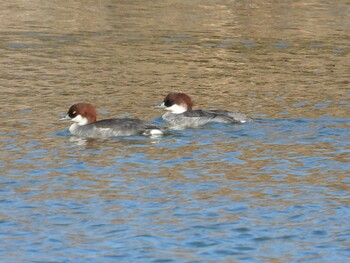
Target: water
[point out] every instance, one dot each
(275, 190)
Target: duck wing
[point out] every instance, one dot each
(218, 116)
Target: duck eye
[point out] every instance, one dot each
(72, 114)
(168, 103)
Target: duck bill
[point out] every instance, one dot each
(160, 106)
(65, 118)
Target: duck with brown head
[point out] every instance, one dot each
(85, 124)
(181, 115)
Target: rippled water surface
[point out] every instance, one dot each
(275, 190)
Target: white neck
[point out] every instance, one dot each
(177, 109)
(80, 120)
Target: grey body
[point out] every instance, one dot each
(113, 127)
(194, 118)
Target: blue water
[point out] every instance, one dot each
(257, 192)
(275, 190)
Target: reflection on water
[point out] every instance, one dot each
(275, 190)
